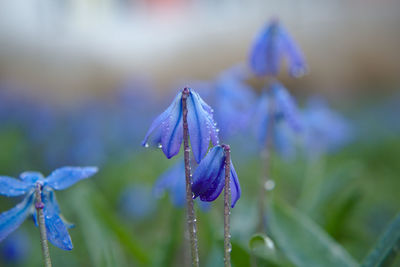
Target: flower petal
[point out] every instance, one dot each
(285, 106)
(173, 180)
(296, 61)
(57, 232)
(172, 128)
(200, 126)
(12, 187)
(67, 176)
(10, 220)
(31, 177)
(266, 52)
(154, 133)
(235, 187)
(208, 172)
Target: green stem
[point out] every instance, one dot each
(42, 227)
(191, 218)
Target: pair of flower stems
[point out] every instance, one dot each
(191, 218)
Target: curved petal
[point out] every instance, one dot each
(215, 187)
(286, 106)
(200, 127)
(208, 171)
(235, 187)
(67, 176)
(57, 232)
(31, 177)
(172, 129)
(296, 61)
(12, 187)
(173, 180)
(154, 133)
(266, 52)
(10, 220)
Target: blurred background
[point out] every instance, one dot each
(81, 82)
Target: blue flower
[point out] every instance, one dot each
(272, 45)
(173, 181)
(59, 179)
(283, 106)
(166, 131)
(209, 177)
(325, 129)
(234, 100)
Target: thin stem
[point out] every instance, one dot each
(227, 207)
(265, 156)
(42, 227)
(191, 218)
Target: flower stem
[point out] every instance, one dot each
(191, 218)
(227, 207)
(42, 227)
(265, 156)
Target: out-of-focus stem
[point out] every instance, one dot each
(191, 218)
(227, 207)
(42, 227)
(265, 157)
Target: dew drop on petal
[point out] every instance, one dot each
(159, 145)
(146, 145)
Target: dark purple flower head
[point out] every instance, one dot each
(283, 106)
(271, 46)
(209, 177)
(166, 131)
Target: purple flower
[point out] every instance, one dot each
(209, 177)
(59, 179)
(234, 99)
(166, 131)
(272, 45)
(283, 106)
(325, 129)
(173, 181)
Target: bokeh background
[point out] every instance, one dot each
(81, 82)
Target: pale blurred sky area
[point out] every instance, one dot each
(62, 47)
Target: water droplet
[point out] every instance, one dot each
(269, 185)
(159, 145)
(146, 145)
(217, 130)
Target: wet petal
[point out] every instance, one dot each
(200, 126)
(153, 135)
(12, 187)
(67, 176)
(172, 129)
(57, 232)
(31, 177)
(235, 186)
(207, 172)
(10, 220)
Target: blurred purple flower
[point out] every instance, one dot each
(166, 131)
(271, 46)
(173, 181)
(15, 248)
(209, 177)
(233, 103)
(277, 100)
(131, 196)
(59, 179)
(325, 129)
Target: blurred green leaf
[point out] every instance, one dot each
(387, 246)
(303, 241)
